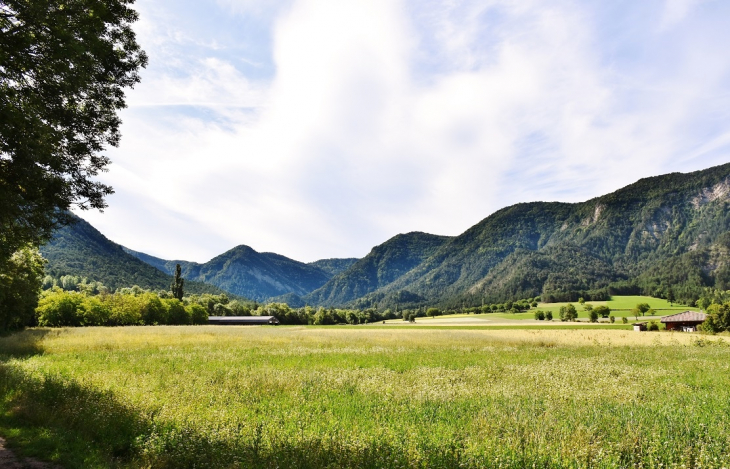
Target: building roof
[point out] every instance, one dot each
(242, 319)
(687, 316)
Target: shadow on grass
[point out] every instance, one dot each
(22, 344)
(57, 419)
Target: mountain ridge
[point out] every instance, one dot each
(662, 235)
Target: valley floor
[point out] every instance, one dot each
(207, 396)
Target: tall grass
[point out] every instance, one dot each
(310, 397)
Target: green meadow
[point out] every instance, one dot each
(241, 397)
(621, 306)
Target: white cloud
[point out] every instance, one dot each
(383, 117)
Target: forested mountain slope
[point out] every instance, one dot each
(660, 232)
(334, 266)
(666, 236)
(384, 264)
(246, 272)
(81, 250)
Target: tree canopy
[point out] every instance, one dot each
(63, 70)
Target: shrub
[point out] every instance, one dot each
(198, 314)
(612, 319)
(624, 320)
(126, 309)
(58, 308)
(568, 313)
(93, 312)
(549, 315)
(176, 313)
(153, 311)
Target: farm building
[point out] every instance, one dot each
(640, 326)
(243, 320)
(686, 321)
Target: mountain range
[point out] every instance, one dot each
(666, 236)
(81, 250)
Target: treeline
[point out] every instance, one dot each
(71, 301)
(716, 304)
(74, 302)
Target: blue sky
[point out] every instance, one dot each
(318, 129)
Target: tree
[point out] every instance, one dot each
(670, 296)
(593, 315)
(177, 284)
(603, 311)
(549, 315)
(21, 277)
(63, 70)
(568, 313)
(432, 312)
(643, 308)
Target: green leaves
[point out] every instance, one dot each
(63, 71)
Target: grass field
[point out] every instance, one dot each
(621, 306)
(204, 396)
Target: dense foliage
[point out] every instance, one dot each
(91, 304)
(20, 281)
(64, 67)
(334, 266)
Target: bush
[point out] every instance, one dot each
(176, 313)
(153, 312)
(624, 320)
(593, 315)
(58, 308)
(568, 313)
(549, 315)
(612, 319)
(602, 311)
(652, 326)
(198, 314)
(126, 309)
(93, 312)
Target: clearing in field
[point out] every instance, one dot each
(365, 397)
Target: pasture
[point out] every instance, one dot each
(621, 306)
(205, 396)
